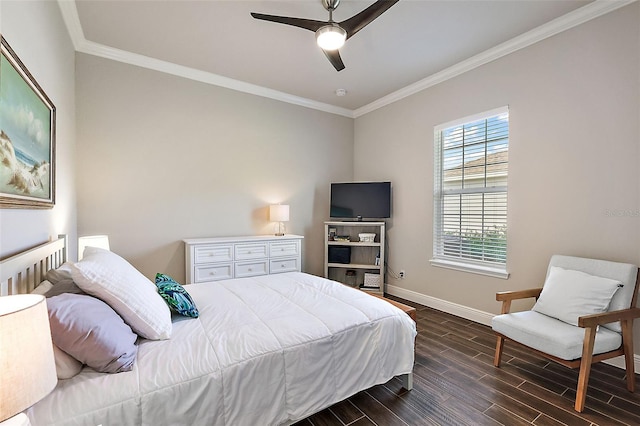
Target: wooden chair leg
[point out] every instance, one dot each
(585, 367)
(499, 347)
(627, 344)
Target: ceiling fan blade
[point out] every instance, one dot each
(307, 24)
(364, 18)
(334, 57)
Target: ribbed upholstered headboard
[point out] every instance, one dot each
(23, 272)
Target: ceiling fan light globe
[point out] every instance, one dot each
(331, 37)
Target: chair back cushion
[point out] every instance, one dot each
(624, 272)
(568, 294)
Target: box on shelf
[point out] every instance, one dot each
(338, 254)
(372, 281)
(367, 237)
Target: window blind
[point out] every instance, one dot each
(470, 193)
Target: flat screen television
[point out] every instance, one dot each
(360, 200)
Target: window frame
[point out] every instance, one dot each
(440, 259)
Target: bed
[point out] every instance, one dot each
(265, 350)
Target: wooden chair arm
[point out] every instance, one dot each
(507, 296)
(518, 294)
(607, 317)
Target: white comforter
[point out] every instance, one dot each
(266, 350)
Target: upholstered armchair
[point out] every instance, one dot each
(583, 314)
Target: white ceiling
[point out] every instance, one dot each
(412, 44)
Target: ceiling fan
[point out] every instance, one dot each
(331, 35)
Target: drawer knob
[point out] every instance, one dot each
(212, 273)
(250, 269)
(282, 266)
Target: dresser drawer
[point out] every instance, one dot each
(217, 272)
(212, 259)
(284, 248)
(249, 269)
(251, 251)
(277, 266)
(211, 254)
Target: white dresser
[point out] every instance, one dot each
(212, 259)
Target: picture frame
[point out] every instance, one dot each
(27, 137)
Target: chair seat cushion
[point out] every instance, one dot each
(552, 336)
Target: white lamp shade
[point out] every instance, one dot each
(27, 366)
(100, 241)
(279, 213)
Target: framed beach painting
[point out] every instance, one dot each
(27, 137)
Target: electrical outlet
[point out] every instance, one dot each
(401, 274)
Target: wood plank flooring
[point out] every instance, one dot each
(455, 383)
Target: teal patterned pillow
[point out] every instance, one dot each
(176, 296)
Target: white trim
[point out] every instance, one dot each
(441, 305)
(551, 28)
(72, 21)
(475, 315)
(471, 268)
(562, 23)
(471, 118)
(619, 362)
(119, 55)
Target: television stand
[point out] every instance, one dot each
(359, 264)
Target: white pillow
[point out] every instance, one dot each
(109, 277)
(66, 365)
(569, 294)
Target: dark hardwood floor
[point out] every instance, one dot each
(455, 383)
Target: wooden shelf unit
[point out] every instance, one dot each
(363, 254)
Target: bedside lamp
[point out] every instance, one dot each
(279, 213)
(100, 241)
(27, 366)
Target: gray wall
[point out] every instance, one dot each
(36, 32)
(162, 158)
(574, 104)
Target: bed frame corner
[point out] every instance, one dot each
(407, 381)
(21, 273)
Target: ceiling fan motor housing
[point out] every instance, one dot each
(330, 4)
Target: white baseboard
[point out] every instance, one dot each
(475, 315)
(441, 305)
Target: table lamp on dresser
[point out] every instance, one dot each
(27, 366)
(279, 213)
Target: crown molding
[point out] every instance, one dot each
(551, 28)
(558, 25)
(82, 45)
(72, 22)
(119, 55)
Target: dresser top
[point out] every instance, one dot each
(242, 239)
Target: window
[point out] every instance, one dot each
(470, 193)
